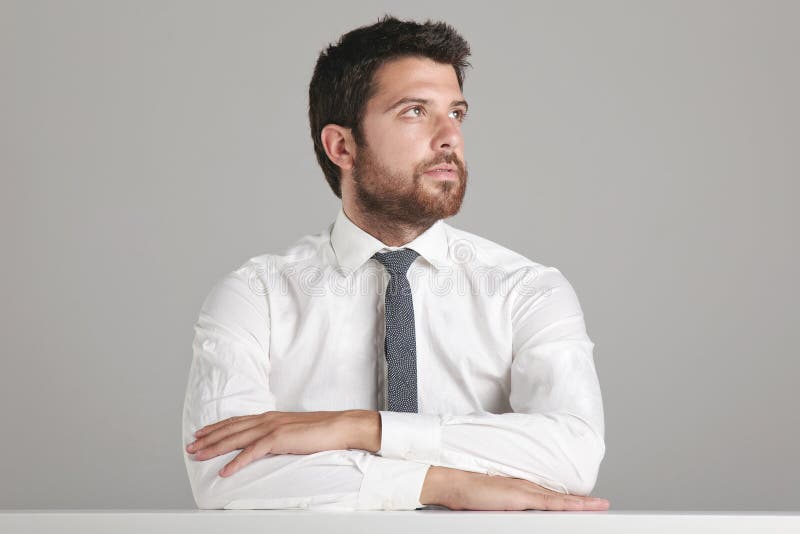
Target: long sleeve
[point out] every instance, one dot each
(229, 376)
(555, 435)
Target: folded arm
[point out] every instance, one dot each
(229, 376)
(555, 437)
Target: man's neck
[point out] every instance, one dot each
(388, 231)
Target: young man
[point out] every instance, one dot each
(393, 361)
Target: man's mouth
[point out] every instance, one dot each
(444, 175)
(443, 171)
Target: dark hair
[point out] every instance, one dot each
(343, 82)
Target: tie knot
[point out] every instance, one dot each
(397, 261)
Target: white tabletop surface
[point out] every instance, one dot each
(385, 522)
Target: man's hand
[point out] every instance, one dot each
(463, 490)
(282, 433)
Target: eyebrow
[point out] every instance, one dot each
(408, 99)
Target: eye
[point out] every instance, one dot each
(418, 108)
(462, 115)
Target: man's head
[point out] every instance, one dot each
(372, 141)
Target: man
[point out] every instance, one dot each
(393, 361)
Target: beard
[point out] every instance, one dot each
(416, 200)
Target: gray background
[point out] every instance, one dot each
(649, 150)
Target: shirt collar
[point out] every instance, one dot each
(353, 246)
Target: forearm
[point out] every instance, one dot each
(557, 451)
(445, 486)
(464, 490)
(487, 443)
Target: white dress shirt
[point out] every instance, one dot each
(506, 377)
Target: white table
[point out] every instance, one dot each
(389, 522)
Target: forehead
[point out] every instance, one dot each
(413, 77)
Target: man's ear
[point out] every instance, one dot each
(339, 145)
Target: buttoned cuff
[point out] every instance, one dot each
(411, 436)
(391, 484)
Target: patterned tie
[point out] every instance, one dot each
(401, 343)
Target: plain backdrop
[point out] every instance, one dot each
(649, 150)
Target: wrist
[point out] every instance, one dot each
(436, 485)
(363, 430)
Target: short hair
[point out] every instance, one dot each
(342, 82)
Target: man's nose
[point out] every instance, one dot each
(448, 135)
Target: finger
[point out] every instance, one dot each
(555, 502)
(234, 465)
(255, 451)
(537, 501)
(210, 428)
(239, 440)
(596, 504)
(571, 502)
(562, 502)
(221, 433)
(586, 503)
